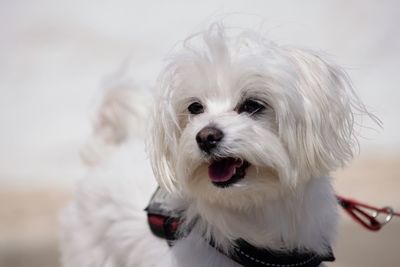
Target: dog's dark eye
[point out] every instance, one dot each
(251, 106)
(196, 108)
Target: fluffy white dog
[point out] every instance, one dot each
(244, 135)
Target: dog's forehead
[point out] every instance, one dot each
(216, 86)
(218, 105)
(222, 83)
(221, 95)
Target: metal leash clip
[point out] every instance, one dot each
(389, 211)
(359, 212)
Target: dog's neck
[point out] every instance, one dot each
(302, 221)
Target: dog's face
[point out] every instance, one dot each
(242, 120)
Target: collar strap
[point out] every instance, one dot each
(165, 224)
(250, 256)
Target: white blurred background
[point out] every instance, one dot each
(55, 56)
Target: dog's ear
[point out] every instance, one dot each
(162, 141)
(322, 138)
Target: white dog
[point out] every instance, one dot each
(244, 135)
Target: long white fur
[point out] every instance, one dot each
(286, 200)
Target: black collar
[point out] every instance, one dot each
(164, 224)
(250, 256)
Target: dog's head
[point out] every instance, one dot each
(241, 119)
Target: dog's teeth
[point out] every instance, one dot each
(239, 163)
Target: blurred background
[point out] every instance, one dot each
(55, 56)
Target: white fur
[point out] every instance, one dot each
(285, 201)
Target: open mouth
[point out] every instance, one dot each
(227, 171)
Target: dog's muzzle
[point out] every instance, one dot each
(222, 171)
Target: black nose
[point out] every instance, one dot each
(208, 138)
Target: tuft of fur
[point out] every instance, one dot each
(120, 117)
(284, 202)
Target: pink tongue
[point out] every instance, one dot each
(222, 170)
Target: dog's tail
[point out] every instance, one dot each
(105, 225)
(120, 117)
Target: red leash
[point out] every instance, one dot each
(367, 215)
